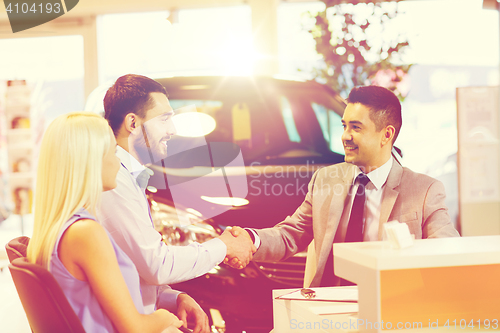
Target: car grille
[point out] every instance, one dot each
(289, 272)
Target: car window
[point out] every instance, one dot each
(209, 107)
(203, 106)
(286, 113)
(270, 121)
(331, 126)
(243, 121)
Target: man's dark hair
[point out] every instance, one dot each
(129, 94)
(384, 106)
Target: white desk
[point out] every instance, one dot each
(455, 279)
(296, 316)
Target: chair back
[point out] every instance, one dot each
(17, 247)
(43, 300)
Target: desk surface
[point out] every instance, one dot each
(437, 252)
(423, 330)
(286, 311)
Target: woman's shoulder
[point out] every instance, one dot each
(86, 231)
(83, 242)
(86, 223)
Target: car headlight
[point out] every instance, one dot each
(179, 226)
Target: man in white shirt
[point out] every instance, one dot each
(350, 202)
(140, 115)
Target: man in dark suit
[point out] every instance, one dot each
(351, 201)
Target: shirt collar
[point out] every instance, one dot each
(379, 176)
(129, 162)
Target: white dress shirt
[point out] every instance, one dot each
(124, 212)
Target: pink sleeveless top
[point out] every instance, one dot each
(79, 294)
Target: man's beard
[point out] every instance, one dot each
(145, 152)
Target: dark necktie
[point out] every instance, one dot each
(354, 229)
(143, 179)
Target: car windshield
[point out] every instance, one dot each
(271, 121)
(266, 124)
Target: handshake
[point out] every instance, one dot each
(240, 248)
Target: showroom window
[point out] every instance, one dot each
(331, 126)
(287, 114)
(451, 50)
(207, 41)
(296, 46)
(56, 73)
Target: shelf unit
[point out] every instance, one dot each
(18, 148)
(4, 191)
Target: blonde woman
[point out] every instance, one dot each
(77, 162)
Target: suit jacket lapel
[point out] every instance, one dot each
(338, 202)
(390, 195)
(335, 213)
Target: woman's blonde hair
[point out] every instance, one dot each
(69, 177)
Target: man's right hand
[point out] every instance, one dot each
(237, 231)
(240, 248)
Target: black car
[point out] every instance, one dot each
(267, 137)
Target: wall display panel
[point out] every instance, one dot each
(19, 146)
(478, 160)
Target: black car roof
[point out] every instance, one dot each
(185, 83)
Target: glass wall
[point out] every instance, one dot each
(52, 66)
(208, 41)
(453, 43)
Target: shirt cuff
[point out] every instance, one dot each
(217, 249)
(256, 237)
(167, 299)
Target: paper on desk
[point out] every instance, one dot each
(336, 294)
(335, 308)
